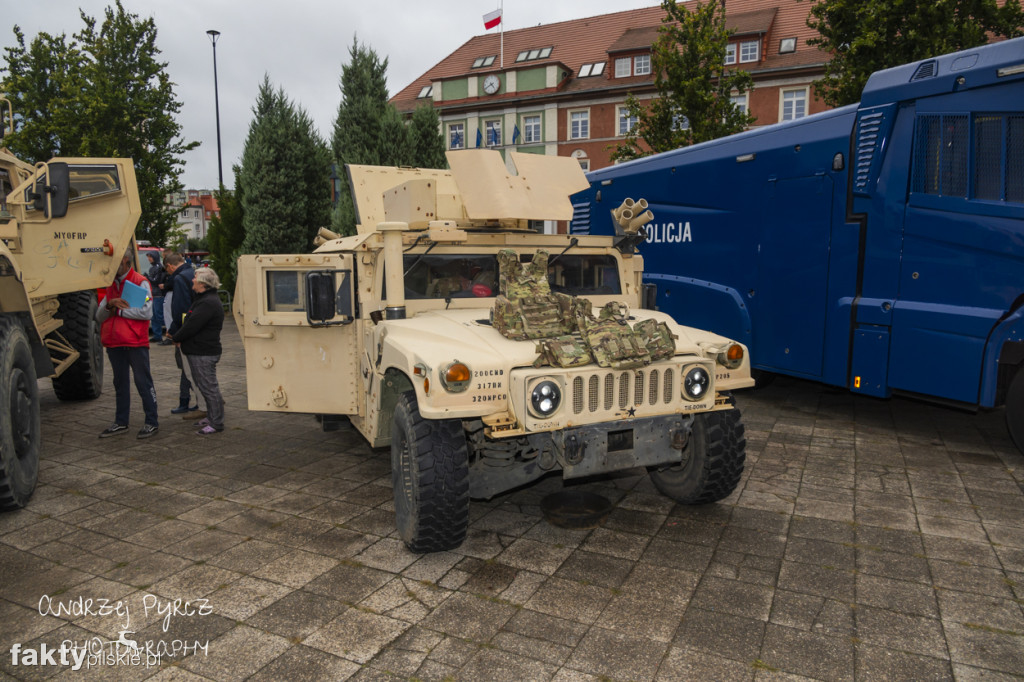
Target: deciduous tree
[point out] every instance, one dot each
(694, 89)
(864, 36)
(103, 93)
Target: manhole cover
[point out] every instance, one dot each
(575, 509)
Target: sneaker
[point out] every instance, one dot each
(147, 431)
(203, 422)
(165, 342)
(207, 430)
(114, 429)
(182, 409)
(194, 415)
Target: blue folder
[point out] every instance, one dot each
(135, 295)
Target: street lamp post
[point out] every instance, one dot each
(216, 100)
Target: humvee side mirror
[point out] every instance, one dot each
(326, 301)
(56, 184)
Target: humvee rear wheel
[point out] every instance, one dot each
(1015, 410)
(430, 475)
(83, 380)
(712, 461)
(19, 417)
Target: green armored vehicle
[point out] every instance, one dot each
(484, 353)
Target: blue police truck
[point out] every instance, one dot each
(878, 246)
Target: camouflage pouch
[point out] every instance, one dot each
(517, 281)
(562, 351)
(541, 317)
(657, 338)
(506, 318)
(613, 345)
(614, 310)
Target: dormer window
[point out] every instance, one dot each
(641, 65)
(426, 91)
(730, 53)
(535, 53)
(481, 62)
(750, 51)
(592, 69)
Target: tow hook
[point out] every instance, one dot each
(574, 450)
(680, 438)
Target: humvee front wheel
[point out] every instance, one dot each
(83, 380)
(19, 417)
(430, 476)
(712, 461)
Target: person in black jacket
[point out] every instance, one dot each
(179, 291)
(156, 276)
(199, 340)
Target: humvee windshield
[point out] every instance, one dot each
(468, 276)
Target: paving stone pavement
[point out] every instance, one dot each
(868, 540)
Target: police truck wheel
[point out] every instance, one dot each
(83, 380)
(712, 461)
(1015, 410)
(430, 475)
(19, 417)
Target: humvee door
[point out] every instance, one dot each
(296, 314)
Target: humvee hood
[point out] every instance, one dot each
(467, 335)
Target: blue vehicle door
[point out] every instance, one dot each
(789, 304)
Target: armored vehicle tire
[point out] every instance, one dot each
(83, 380)
(1015, 410)
(430, 475)
(19, 416)
(712, 461)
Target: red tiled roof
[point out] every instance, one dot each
(207, 201)
(583, 41)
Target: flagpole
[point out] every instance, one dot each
(501, 6)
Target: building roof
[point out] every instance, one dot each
(207, 202)
(591, 39)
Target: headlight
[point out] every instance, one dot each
(545, 398)
(455, 377)
(696, 384)
(732, 357)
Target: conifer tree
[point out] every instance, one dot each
(425, 139)
(227, 232)
(284, 178)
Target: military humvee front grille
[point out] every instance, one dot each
(653, 395)
(623, 391)
(638, 388)
(668, 386)
(577, 395)
(592, 399)
(609, 391)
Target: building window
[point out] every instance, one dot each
(579, 125)
(787, 45)
(622, 67)
(642, 65)
(492, 133)
(456, 136)
(750, 51)
(740, 101)
(531, 129)
(584, 164)
(593, 69)
(730, 53)
(425, 91)
(626, 121)
(794, 104)
(536, 53)
(481, 62)
(680, 122)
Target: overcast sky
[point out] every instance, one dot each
(300, 44)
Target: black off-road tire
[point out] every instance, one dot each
(19, 416)
(430, 475)
(712, 461)
(1015, 410)
(83, 380)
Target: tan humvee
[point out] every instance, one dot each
(391, 331)
(64, 226)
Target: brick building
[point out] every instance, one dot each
(561, 88)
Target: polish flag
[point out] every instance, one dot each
(492, 19)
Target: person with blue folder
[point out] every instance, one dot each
(125, 315)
